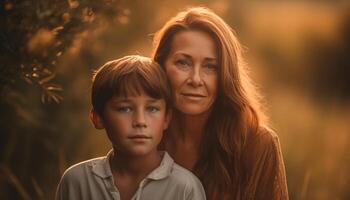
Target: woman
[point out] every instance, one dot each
(218, 129)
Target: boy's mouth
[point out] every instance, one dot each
(139, 136)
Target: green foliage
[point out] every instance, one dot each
(35, 33)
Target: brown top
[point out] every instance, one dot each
(263, 168)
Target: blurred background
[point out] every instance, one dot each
(298, 52)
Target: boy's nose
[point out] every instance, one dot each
(139, 120)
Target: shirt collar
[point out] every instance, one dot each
(102, 168)
(164, 169)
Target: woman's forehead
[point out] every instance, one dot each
(194, 43)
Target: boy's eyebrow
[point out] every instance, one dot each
(121, 100)
(153, 100)
(127, 100)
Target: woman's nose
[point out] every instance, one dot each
(195, 78)
(139, 120)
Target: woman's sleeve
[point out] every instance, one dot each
(264, 169)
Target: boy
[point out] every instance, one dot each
(131, 101)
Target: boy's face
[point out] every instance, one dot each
(134, 124)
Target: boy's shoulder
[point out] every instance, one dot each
(77, 171)
(176, 180)
(81, 180)
(183, 177)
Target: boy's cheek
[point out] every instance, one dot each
(113, 135)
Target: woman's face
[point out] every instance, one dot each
(192, 68)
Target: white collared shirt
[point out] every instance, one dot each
(93, 179)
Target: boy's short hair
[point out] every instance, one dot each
(129, 75)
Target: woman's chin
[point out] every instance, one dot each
(193, 110)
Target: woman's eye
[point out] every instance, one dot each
(211, 67)
(182, 63)
(124, 109)
(152, 109)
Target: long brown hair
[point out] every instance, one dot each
(236, 111)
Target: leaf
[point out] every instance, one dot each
(43, 98)
(56, 97)
(73, 3)
(51, 88)
(27, 80)
(35, 75)
(56, 30)
(47, 71)
(51, 95)
(47, 79)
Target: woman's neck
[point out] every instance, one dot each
(188, 128)
(184, 137)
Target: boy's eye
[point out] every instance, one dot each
(152, 109)
(124, 109)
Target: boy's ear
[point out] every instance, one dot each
(96, 119)
(168, 116)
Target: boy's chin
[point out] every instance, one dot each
(139, 151)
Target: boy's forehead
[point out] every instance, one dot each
(131, 97)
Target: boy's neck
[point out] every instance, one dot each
(134, 166)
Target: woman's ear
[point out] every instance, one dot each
(96, 119)
(167, 119)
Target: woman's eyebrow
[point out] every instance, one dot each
(210, 59)
(188, 56)
(183, 54)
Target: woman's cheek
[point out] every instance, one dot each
(175, 77)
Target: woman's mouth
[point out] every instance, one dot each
(193, 96)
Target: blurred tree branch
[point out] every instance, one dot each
(35, 33)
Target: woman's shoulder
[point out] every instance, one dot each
(263, 143)
(263, 137)
(263, 166)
